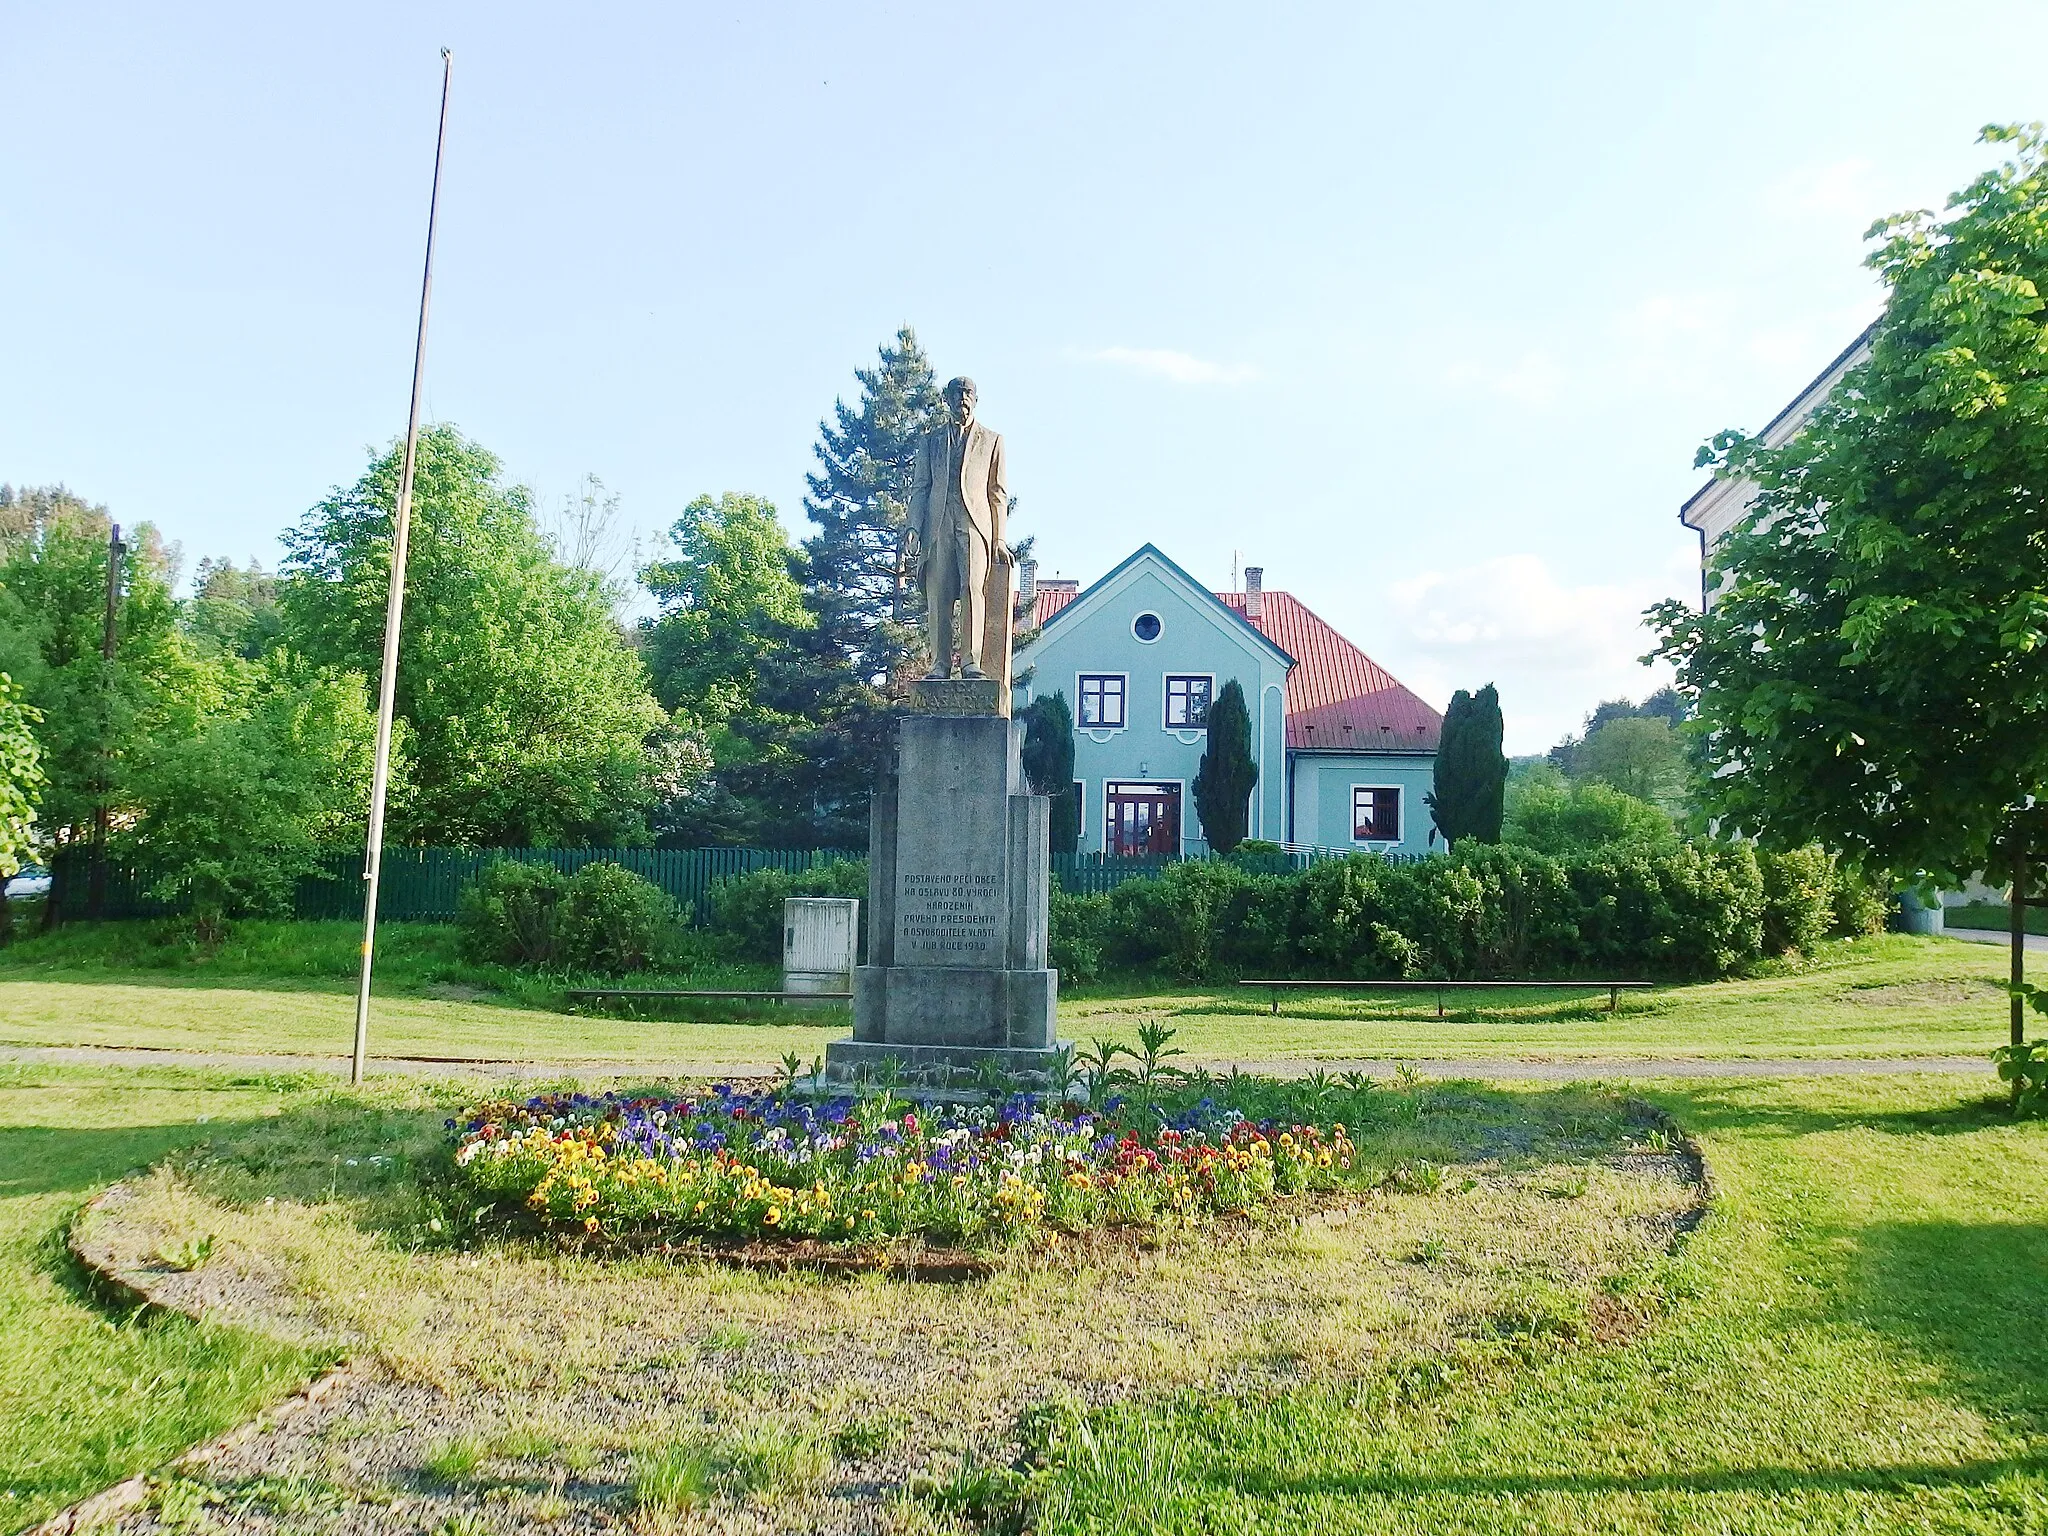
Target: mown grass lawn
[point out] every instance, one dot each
(287, 988)
(1851, 1341)
(89, 1395)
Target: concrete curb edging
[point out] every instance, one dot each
(131, 1493)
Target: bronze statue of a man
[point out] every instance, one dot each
(958, 498)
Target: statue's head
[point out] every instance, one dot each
(960, 397)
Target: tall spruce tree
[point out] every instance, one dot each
(1048, 758)
(859, 501)
(1228, 772)
(1471, 771)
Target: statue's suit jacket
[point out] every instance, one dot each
(984, 490)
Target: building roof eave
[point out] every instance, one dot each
(1237, 620)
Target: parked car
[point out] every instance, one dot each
(33, 880)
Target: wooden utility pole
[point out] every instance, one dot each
(394, 607)
(96, 880)
(2016, 918)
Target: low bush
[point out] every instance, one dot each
(1562, 817)
(613, 921)
(1799, 899)
(1679, 910)
(1863, 904)
(1077, 924)
(604, 918)
(747, 909)
(508, 914)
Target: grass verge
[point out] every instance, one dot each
(1848, 1348)
(1846, 1344)
(90, 1395)
(287, 988)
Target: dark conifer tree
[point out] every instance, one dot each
(1048, 756)
(1228, 773)
(1471, 771)
(859, 501)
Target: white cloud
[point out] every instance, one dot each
(1177, 367)
(1555, 649)
(1534, 379)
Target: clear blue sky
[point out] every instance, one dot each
(1424, 309)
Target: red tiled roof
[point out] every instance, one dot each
(1338, 698)
(1051, 599)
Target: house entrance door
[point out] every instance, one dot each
(1142, 818)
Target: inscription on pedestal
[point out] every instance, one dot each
(955, 917)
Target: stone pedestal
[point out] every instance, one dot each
(956, 975)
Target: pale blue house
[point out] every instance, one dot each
(1345, 753)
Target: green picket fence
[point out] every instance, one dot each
(424, 885)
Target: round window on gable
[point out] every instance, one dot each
(1146, 627)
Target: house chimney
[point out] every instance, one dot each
(1255, 592)
(1027, 583)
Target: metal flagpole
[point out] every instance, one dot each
(401, 530)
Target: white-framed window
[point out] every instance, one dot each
(1375, 813)
(1146, 627)
(1188, 696)
(1102, 696)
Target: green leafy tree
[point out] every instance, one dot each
(726, 653)
(21, 782)
(1471, 776)
(1638, 755)
(1228, 772)
(529, 718)
(53, 602)
(21, 776)
(1665, 704)
(1048, 757)
(277, 768)
(728, 603)
(1555, 815)
(1870, 675)
(232, 610)
(810, 789)
(859, 500)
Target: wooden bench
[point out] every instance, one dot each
(579, 993)
(1613, 989)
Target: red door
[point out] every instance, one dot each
(1142, 819)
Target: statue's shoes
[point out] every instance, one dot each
(973, 672)
(938, 675)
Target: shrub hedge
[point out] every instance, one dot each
(746, 910)
(1677, 910)
(1674, 910)
(604, 918)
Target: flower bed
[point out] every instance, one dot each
(733, 1165)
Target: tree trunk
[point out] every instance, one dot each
(57, 882)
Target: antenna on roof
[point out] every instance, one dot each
(1233, 570)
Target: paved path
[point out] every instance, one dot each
(1557, 1069)
(2035, 941)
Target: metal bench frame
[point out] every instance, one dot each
(1613, 989)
